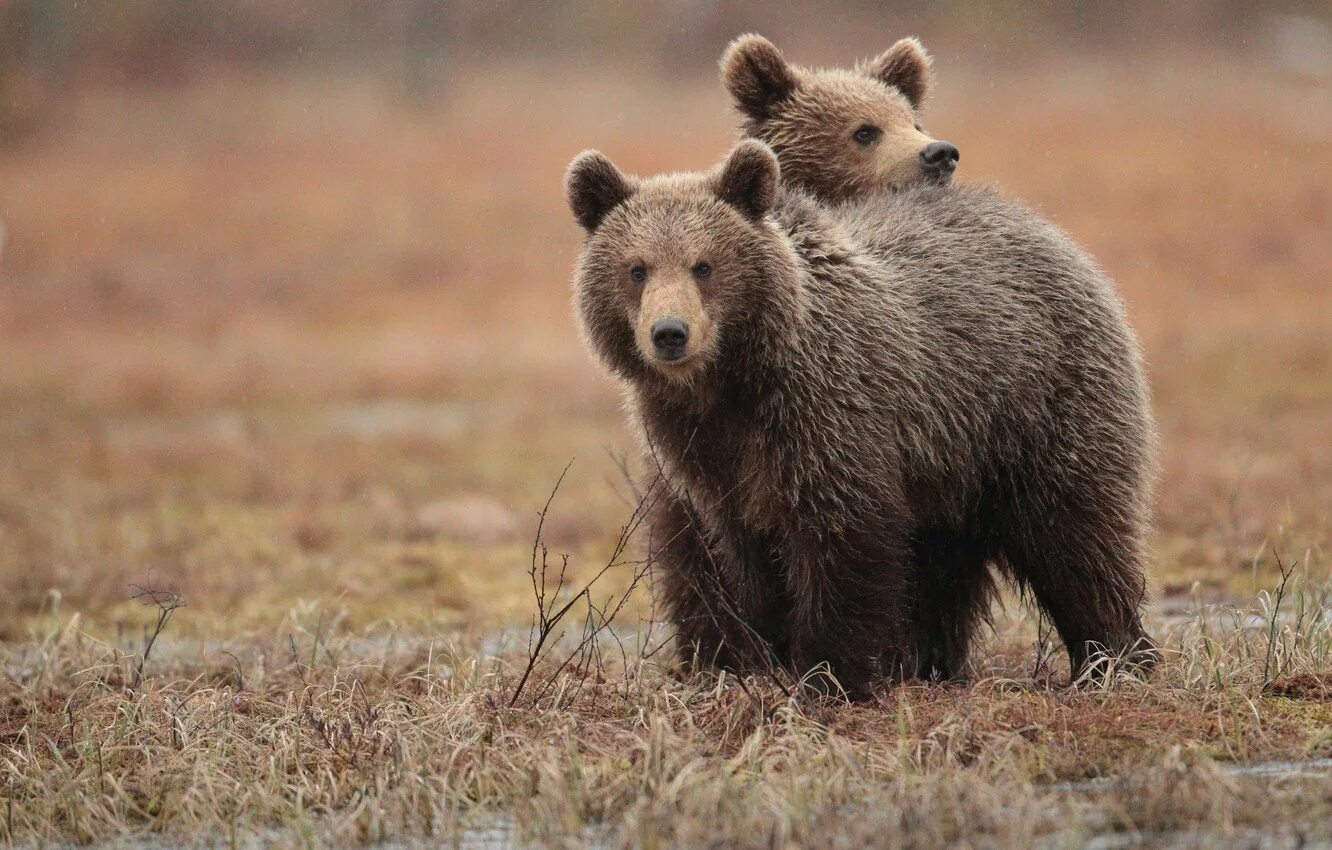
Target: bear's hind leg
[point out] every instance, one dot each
(1084, 567)
(953, 589)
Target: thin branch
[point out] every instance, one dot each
(1278, 597)
(167, 603)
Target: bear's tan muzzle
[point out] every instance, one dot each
(903, 159)
(673, 326)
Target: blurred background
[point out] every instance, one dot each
(284, 299)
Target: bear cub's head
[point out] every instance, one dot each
(840, 133)
(674, 266)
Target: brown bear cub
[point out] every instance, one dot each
(840, 133)
(854, 411)
(854, 414)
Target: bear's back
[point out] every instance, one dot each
(972, 326)
(970, 237)
(972, 272)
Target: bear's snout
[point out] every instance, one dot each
(669, 337)
(939, 159)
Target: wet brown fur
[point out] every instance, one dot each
(896, 394)
(808, 116)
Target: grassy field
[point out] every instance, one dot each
(304, 357)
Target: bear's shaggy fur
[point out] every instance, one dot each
(811, 117)
(875, 402)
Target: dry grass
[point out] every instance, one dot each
(304, 731)
(306, 358)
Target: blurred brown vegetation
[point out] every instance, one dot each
(47, 45)
(285, 327)
(284, 310)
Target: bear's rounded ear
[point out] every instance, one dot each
(594, 187)
(756, 75)
(748, 180)
(906, 66)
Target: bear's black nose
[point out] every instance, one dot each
(940, 157)
(669, 336)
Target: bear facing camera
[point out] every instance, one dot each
(850, 440)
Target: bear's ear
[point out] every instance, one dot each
(756, 75)
(594, 187)
(905, 65)
(748, 180)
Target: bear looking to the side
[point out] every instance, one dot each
(840, 133)
(856, 411)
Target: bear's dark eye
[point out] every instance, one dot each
(701, 270)
(919, 129)
(866, 134)
(638, 274)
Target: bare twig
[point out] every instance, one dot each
(1045, 646)
(550, 614)
(621, 461)
(548, 617)
(240, 674)
(167, 602)
(1277, 598)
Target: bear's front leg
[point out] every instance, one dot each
(850, 607)
(724, 614)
